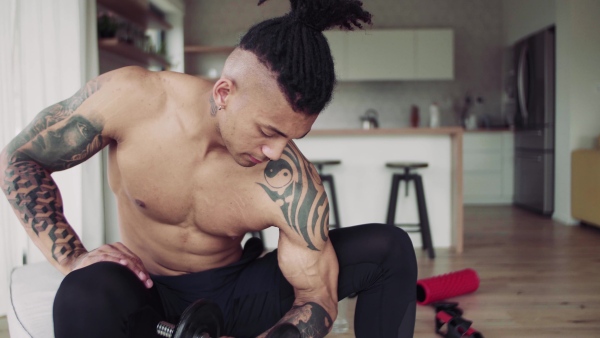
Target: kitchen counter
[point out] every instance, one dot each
(363, 182)
(489, 130)
(388, 131)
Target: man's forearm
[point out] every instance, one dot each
(310, 318)
(36, 200)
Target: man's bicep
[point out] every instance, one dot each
(296, 190)
(59, 138)
(311, 273)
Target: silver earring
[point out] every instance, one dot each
(220, 107)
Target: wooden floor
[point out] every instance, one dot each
(538, 278)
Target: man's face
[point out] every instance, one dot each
(258, 123)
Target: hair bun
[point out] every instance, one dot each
(322, 15)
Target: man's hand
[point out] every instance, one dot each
(117, 253)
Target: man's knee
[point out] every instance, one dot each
(388, 241)
(97, 284)
(97, 295)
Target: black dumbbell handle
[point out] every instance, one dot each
(165, 329)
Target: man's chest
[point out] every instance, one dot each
(173, 187)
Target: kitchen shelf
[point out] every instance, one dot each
(131, 10)
(200, 49)
(131, 52)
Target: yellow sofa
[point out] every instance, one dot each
(585, 185)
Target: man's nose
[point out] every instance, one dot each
(274, 149)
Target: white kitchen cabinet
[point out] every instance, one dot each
(488, 163)
(381, 55)
(393, 55)
(434, 54)
(338, 44)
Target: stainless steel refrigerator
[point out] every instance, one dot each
(534, 88)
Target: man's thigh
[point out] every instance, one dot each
(105, 300)
(261, 297)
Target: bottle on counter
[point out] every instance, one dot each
(434, 115)
(414, 116)
(476, 113)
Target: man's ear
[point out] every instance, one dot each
(222, 90)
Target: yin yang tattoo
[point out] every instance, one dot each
(295, 186)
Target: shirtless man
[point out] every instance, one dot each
(194, 167)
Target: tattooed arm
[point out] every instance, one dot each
(56, 139)
(60, 137)
(306, 256)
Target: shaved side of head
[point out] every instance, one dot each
(247, 73)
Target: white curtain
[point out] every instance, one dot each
(49, 51)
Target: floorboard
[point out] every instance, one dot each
(538, 278)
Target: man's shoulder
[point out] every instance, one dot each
(292, 173)
(150, 81)
(295, 187)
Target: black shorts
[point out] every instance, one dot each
(252, 292)
(377, 262)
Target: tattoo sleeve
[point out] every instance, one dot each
(295, 186)
(56, 139)
(310, 318)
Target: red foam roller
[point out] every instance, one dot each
(449, 285)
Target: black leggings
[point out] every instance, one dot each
(377, 262)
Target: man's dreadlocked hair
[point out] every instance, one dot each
(294, 47)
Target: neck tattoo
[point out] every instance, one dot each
(213, 107)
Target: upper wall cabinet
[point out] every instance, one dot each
(393, 55)
(381, 55)
(434, 50)
(338, 44)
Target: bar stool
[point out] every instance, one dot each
(407, 176)
(329, 179)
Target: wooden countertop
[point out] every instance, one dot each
(388, 131)
(489, 130)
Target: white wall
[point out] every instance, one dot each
(578, 90)
(584, 72)
(521, 18)
(562, 172)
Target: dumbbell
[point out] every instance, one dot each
(285, 330)
(202, 319)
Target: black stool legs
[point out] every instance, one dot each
(423, 225)
(391, 215)
(329, 179)
(424, 217)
